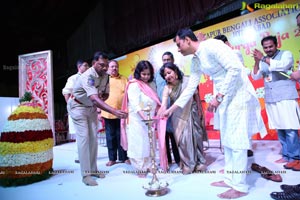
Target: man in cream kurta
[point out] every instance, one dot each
(236, 105)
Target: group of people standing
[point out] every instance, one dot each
(235, 106)
(128, 140)
(185, 128)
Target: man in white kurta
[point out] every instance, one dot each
(236, 105)
(280, 98)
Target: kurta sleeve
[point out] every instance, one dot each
(192, 84)
(240, 56)
(134, 93)
(229, 60)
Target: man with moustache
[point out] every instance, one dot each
(280, 98)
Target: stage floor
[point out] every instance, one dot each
(120, 184)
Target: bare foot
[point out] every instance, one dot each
(219, 184)
(232, 194)
(281, 160)
(186, 170)
(201, 168)
(142, 175)
(221, 171)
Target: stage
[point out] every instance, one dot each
(120, 183)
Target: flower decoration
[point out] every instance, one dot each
(26, 145)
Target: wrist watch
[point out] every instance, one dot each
(219, 98)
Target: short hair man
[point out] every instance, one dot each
(90, 92)
(112, 123)
(234, 92)
(280, 98)
(82, 66)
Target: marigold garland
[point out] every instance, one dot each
(28, 109)
(25, 170)
(27, 115)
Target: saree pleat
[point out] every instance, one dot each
(189, 130)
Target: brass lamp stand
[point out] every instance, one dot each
(155, 188)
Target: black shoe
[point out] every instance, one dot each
(77, 161)
(287, 195)
(295, 188)
(249, 153)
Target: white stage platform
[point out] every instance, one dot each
(119, 184)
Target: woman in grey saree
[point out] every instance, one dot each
(188, 122)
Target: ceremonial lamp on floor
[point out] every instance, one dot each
(154, 188)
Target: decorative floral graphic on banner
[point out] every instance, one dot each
(35, 76)
(36, 82)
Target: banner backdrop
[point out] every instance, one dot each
(36, 76)
(245, 34)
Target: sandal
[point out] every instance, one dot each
(266, 173)
(256, 167)
(295, 188)
(269, 175)
(272, 177)
(285, 195)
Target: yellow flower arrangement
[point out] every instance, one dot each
(27, 109)
(25, 147)
(27, 116)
